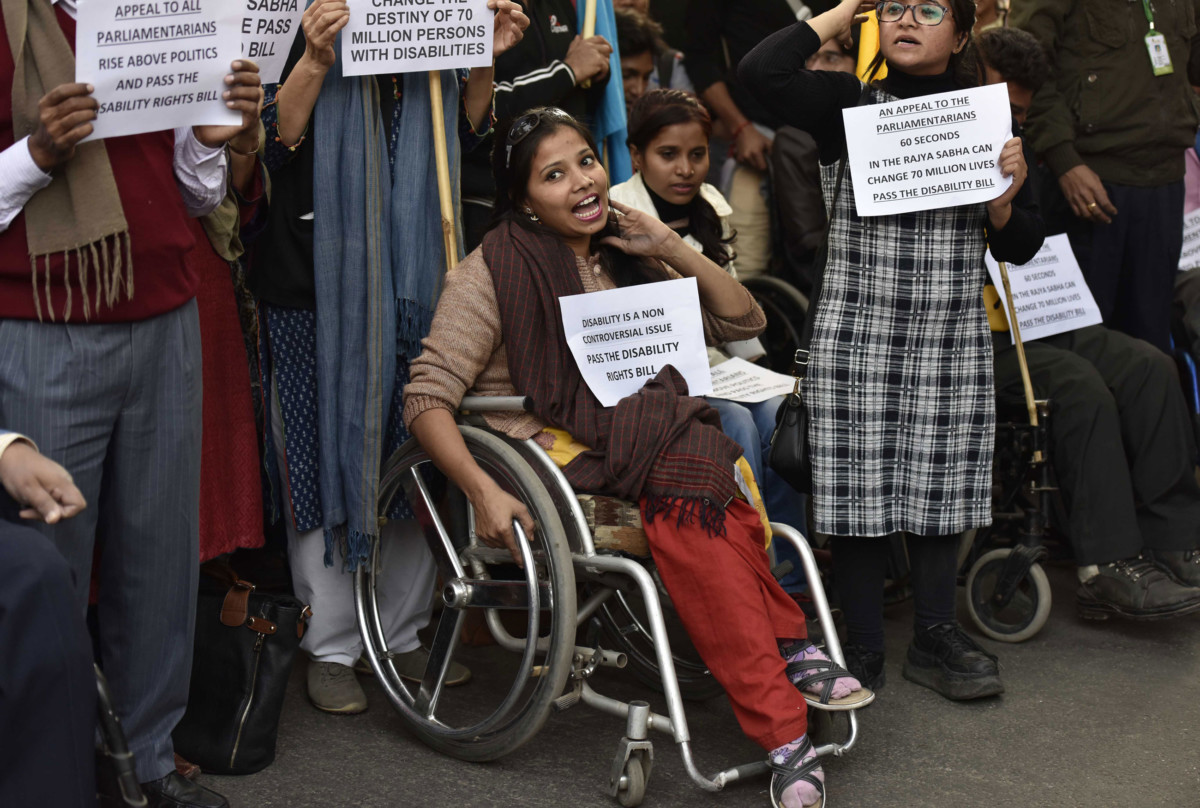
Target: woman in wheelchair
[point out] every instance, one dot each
(669, 132)
(497, 331)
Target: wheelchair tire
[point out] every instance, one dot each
(624, 627)
(1024, 615)
(461, 727)
(634, 790)
(786, 308)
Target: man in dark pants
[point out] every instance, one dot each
(1120, 446)
(1112, 123)
(47, 689)
(1119, 430)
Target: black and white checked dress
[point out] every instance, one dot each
(899, 392)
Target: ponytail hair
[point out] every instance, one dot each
(655, 111)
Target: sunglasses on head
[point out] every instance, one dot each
(922, 13)
(522, 126)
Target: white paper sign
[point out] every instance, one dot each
(268, 31)
(1049, 293)
(1190, 257)
(622, 338)
(403, 36)
(157, 64)
(739, 380)
(935, 151)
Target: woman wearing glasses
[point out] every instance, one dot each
(497, 331)
(899, 389)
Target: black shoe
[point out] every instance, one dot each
(946, 660)
(173, 791)
(1183, 565)
(1135, 589)
(865, 665)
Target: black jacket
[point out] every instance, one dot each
(532, 74)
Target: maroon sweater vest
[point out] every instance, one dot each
(160, 236)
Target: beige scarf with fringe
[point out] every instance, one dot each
(79, 213)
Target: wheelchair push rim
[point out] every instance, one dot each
(475, 576)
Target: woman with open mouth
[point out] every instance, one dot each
(498, 331)
(899, 390)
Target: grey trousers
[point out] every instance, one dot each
(1120, 441)
(119, 405)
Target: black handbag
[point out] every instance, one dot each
(789, 456)
(245, 644)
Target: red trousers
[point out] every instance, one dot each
(734, 611)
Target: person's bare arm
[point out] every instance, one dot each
(750, 146)
(495, 509)
(296, 98)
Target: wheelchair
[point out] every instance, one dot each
(575, 579)
(1008, 593)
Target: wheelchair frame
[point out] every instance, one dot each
(633, 761)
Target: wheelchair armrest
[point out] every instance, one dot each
(495, 404)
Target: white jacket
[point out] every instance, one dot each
(633, 193)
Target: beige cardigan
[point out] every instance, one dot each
(464, 353)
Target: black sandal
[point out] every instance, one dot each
(813, 671)
(784, 775)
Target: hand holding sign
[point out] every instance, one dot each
(244, 95)
(65, 116)
(509, 27)
(1012, 164)
(321, 22)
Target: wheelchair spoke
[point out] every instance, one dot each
(441, 651)
(422, 504)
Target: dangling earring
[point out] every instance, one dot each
(532, 216)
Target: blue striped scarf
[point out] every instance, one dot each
(379, 264)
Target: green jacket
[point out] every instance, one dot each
(1102, 104)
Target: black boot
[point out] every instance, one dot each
(1135, 589)
(865, 665)
(173, 791)
(946, 660)
(1183, 565)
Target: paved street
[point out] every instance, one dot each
(1096, 715)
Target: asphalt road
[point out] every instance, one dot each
(1095, 715)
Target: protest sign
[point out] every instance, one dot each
(403, 36)
(739, 380)
(1190, 257)
(157, 64)
(934, 151)
(620, 340)
(268, 30)
(1049, 293)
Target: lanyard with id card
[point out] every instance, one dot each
(1156, 44)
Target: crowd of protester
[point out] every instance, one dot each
(191, 322)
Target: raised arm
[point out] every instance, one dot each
(810, 100)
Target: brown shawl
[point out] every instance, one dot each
(660, 443)
(79, 213)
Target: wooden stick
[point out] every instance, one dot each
(1030, 404)
(589, 30)
(442, 163)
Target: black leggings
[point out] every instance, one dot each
(860, 567)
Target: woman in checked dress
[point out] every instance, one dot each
(899, 390)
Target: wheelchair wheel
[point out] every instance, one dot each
(475, 576)
(625, 627)
(1023, 616)
(785, 307)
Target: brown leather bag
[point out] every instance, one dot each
(245, 644)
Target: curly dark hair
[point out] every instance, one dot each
(1016, 55)
(637, 33)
